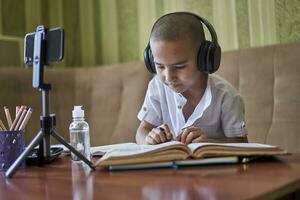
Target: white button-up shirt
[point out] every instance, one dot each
(219, 113)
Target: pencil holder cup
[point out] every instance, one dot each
(12, 144)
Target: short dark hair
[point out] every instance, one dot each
(178, 26)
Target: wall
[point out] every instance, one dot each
(112, 31)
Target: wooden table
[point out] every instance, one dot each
(63, 179)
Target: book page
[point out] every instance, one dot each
(194, 146)
(201, 150)
(101, 150)
(136, 149)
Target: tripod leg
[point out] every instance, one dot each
(72, 149)
(10, 172)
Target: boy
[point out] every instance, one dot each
(182, 102)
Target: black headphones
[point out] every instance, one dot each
(209, 54)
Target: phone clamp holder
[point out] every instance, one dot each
(47, 120)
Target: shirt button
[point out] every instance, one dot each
(144, 109)
(179, 106)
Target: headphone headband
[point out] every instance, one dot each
(209, 53)
(214, 37)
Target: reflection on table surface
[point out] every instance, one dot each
(64, 179)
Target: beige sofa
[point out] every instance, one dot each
(267, 77)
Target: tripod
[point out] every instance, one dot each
(47, 120)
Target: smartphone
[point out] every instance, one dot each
(54, 46)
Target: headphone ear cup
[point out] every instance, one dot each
(202, 56)
(148, 59)
(213, 58)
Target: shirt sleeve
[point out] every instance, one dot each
(151, 108)
(233, 117)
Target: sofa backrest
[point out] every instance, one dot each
(11, 51)
(111, 97)
(269, 80)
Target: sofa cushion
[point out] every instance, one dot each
(269, 80)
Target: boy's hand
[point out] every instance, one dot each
(191, 135)
(159, 134)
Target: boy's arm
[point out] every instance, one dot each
(142, 132)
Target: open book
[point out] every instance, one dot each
(131, 153)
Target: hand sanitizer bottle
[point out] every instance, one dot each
(79, 134)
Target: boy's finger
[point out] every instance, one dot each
(178, 137)
(167, 131)
(150, 140)
(155, 136)
(162, 136)
(191, 136)
(184, 135)
(196, 140)
(201, 138)
(169, 135)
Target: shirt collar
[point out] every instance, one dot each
(201, 107)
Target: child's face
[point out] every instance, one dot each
(175, 64)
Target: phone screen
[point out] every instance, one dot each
(54, 46)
